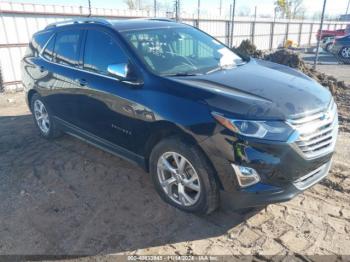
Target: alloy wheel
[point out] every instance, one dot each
(178, 179)
(41, 116)
(345, 52)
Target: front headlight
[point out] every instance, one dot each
(269, 130)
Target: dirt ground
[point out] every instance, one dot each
(67, 197)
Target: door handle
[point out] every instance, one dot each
(82, 82)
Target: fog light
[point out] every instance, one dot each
(246, 176)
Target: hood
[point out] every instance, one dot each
(261, 90)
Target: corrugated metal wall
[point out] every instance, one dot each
(19, 21)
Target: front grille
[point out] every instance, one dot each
(317, 132)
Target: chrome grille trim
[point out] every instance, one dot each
(317, 133)
(313, 177)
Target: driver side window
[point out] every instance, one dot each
(101, 50)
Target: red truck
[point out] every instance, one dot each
(328, 33)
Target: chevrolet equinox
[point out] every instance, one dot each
(205, 122)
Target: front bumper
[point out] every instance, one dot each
(283, 170)
(261, 194)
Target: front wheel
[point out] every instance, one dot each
(183, 177)
(328, 47)
(345, 52)
(344, 55)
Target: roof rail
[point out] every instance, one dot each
(162, 19)
(79, 21)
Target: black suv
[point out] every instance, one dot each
(204, 121)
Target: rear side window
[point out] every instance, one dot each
(48, 52)
(37, 43)
(101, 50)
(67, 47)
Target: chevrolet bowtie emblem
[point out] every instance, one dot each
(326, 116)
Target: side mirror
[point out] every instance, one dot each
(124, 72)
(120, 71)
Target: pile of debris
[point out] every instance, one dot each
(246, 48)
(286, 57)
(292, 59)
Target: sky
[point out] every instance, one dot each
(264, 7)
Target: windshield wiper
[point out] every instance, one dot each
(219, 68)
(182, 74)
(214, 70)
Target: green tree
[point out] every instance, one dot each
(290, 9)
(131, 4)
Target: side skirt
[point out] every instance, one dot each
(101, 143)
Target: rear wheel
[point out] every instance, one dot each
(183, 177)
(43, 118)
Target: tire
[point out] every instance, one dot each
(51, 131)
(341, 56)
(345, 52)
(328, 47)
(196, 168)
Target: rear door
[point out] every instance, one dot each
(63, 55)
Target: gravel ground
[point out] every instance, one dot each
(328, 64)
(341, 71)
(67, 197)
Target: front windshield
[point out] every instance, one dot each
(180, 51)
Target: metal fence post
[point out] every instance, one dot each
(252, 32)
(320, 38)
(311, 32)
(287, 31)
(272, 32)
(232, 22)
(1, 81)
(227, 34)
(300, 32)
(155, 8)
(196, 22)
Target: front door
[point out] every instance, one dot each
(103, 104)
